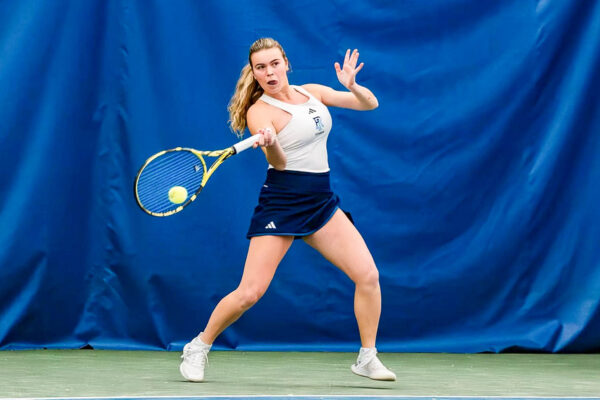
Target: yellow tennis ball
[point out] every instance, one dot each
(177, 194)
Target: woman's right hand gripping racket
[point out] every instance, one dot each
(171, 179)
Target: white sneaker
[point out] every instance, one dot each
(368, 365)
(195, 359)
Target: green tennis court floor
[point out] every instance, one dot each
(148, 374)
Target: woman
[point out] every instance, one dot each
(295, 200)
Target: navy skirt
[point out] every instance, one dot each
(293, 203)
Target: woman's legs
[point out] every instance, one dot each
(340, 243)
(264, 255)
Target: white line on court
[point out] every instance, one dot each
(304, 397)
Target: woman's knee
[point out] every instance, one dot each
(369, 277)
(247, 297)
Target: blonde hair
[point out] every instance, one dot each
(247, 89)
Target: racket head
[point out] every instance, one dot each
(164, 170)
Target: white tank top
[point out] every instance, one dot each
(304, 138)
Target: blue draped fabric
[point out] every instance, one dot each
(475, 183)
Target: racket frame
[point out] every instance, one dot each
(221, 155)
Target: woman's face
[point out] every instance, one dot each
(270, 69)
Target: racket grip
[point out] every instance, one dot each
(245, 144)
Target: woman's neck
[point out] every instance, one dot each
(289, 95)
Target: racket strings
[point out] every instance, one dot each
(174, 168)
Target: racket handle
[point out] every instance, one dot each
(245, 144)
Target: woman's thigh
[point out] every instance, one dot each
(340, 242)
(264, 255)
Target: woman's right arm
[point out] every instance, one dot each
(259, 122)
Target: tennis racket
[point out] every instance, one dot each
(171, 179)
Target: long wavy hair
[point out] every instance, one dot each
(247, 89)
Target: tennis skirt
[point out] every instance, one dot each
(293, 203)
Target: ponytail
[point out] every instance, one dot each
(247, 92)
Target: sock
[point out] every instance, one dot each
(199, 342)
(366, 353)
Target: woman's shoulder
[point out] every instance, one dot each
(315, 89)
(257, 109)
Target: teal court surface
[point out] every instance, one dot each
(102, 374)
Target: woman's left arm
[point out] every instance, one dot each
(358, 97)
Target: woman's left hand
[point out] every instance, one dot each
(347, 73)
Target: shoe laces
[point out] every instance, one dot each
(195, 355)
(375, 364)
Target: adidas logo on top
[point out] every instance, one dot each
(310, 111)
(271, 225)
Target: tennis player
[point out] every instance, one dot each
(296, 200)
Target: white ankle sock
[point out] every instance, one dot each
(199, 342)
(366, 353)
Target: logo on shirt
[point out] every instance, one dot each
(310, 111)
(320, 126)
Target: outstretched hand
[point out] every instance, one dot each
(347, 73)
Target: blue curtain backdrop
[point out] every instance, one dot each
(475, 183)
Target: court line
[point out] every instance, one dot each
(306, 397)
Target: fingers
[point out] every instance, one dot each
(267, 138)
(359, 67)
(261, 139)
(351, 59)
(337, 67)
(354, 58)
